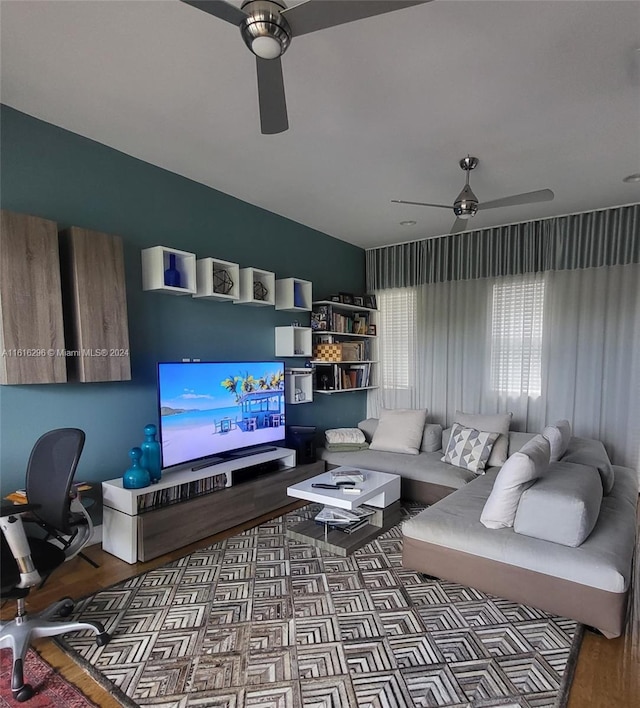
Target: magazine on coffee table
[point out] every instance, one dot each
(332, 515)
(345, 475)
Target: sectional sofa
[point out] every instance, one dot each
(568, 549)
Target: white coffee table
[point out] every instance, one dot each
(379, 490)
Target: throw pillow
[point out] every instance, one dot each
(490, 424)
(431, 438)
(558, 436)
(368, 427)
(344, 435)
(562, 506)
(469, 448)
(399, 430)
(585, 451)
(517, 473)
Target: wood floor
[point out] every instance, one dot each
(607, 674)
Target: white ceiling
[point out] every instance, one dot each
(545, 93)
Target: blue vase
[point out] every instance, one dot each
(172, 274)
(136, 476)
(151, 460)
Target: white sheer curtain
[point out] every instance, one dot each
(545, 346)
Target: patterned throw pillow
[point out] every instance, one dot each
(469, 448)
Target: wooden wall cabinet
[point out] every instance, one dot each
(31, 328)
(95, 306)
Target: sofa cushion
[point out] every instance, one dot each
(561, 506)
(368, 427)
(490, 424)
(425, 467)
(344, 435)
(399, 430)
(469, 448)
(584, 451)
(558, 436)
(431, 438)
(602, 561)
(517, 473)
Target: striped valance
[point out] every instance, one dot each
(598, 238)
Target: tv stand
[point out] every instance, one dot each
(187, 505)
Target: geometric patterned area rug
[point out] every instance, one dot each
(262, 620)
(50, 689)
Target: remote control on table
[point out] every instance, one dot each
(325, 486)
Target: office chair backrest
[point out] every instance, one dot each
(50, 471)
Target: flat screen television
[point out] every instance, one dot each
(211, 411)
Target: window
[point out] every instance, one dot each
(516, 336)
(397, 324)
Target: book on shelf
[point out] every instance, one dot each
(181, 492)
(327, 318)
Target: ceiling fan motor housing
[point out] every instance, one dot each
(265, 30)
(466, 205)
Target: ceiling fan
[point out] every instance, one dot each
(466, 204)
(268, 26)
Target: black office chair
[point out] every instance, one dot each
(27, 561)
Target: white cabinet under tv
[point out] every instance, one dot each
(134, 530)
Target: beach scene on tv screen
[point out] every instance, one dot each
(211, 408)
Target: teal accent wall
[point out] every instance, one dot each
(58, 175)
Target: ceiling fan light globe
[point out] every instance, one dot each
(266, 47)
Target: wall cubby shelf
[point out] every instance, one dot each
(293, 295)
(155, 261)
(298, 386)
(217, 280)
(293, 341)
(257, 287)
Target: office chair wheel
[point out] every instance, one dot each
(103, 639)
(22, 694)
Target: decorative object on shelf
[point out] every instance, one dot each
(371, 330)
(358, 300)
(334, 298)
(346, 298)
(172, 274)
(136, 476)
(260, 291)
(370, 302)
(222, 282)
(300, 395)
(298, 294)
(328, 352)
(151, 460)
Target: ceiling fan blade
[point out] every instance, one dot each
(315, 15)
(541, 195)
(224, 10)
(440, 206)
(273, 106)
(459, 225)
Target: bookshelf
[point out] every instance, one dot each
(345, 347)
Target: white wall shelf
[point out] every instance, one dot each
(358, 370)
(293, 341)
(293, 295)
(255, 282)
(155, 261)
(298, 386)
(217, 280)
